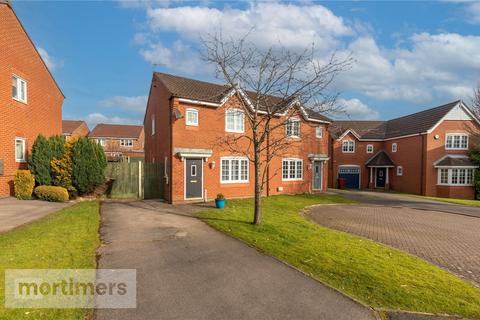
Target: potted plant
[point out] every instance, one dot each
(220, 201)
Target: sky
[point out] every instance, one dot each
(408, 56)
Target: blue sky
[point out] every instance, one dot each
(409, 55)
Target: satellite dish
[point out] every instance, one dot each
(178, 114)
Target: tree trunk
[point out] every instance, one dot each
(257, 215)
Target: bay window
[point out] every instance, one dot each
(455, 176)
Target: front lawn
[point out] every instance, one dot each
(64, 240)
(473, 203)
(378, 275)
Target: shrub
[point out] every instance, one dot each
(89, 165)
(39, 160)
(57, 146)
(62, 169)
(51, 193)
(24, 182)
(220, 196)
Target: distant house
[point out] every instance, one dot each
(186, 124)
(423, 153)
(120, 142)
(74, 128)
(30, 99)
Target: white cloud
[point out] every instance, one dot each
(135, 103)
(51, 62)
(357, 110)
(473, 12)
(95, 118)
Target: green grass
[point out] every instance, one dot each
(64, 240)
(473, 203)
(377, 275)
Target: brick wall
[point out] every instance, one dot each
(43, 111)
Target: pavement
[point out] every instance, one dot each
(187, 270)
(445, 237)
(408, 201)
(14, 212)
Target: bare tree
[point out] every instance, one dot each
(476, 100)
(271, 86)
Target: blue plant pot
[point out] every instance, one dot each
(220, 203)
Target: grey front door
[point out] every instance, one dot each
(193, 178)
(381, 175)
(317, 175)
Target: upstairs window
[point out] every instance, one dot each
(348, 146)
(319, 132)
(20, 150)
(394, 147)
(292, 169)
(102, 142)
(234, 121)
(192, 117)
(293, 128)
(456, 141)
(369, 148)
(126, 142)
(19, 89)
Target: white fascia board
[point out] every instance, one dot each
(347, 132)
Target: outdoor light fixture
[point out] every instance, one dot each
(212, 165)
(178, 114)
(436, 137)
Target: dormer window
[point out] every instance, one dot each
(126, 142)
(292, 128)
(348, 146)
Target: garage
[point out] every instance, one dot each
(351, 174)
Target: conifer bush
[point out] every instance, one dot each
(39, 160)
(23, 184)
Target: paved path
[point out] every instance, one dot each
(187, 270)
(408, 201)
(448, 240)
(14, 213)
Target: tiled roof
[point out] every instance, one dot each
(381, 159)
(411, 124)
(210, 92)
(103, 130)
(68, 126)
(454, 161)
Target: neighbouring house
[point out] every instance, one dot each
(187, 123)
(74, 129)
(30, 99)
(120, 142)
(424, 153)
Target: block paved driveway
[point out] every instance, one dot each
(14, 213)
(448, 240)
(187, 270)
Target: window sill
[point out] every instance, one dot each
(20, 161)
(191, 125)
(292, 180)
(21, 101)
(454, 185)
(235, 182)
(352, 152)
(455, 149)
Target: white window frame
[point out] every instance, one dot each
(102, 141)
(369, 148)
(24, 146)
(348, 143)
(153, 124)
(290, 128)
(399, 171)
(453, 135)
(319, 132)
(187, 119)
(234, 113)
(295, 162)
(451, 176)
(19, 81)
(124, 144)
(230, 171)
(394, 147)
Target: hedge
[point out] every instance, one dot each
(51, 193)
(23, 184)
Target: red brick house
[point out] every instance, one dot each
(185, 123)
(423, 153)
(74, 128)
(30, 99)
(119, 141)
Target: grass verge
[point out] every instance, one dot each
(473, 203)
(67, 239)
(377, 275)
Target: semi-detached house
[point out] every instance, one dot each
(30, 99)
(187, 123)
(425, 153)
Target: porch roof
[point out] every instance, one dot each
(453, 160)
(380, 159)
(191, 152)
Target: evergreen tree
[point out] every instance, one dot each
(57, 145)
(82, 165)
(39, 161)
(475, 158)
(62, 169)
(101, 163)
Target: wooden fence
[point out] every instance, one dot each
(135, 180)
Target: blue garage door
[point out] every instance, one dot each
(352, 175)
